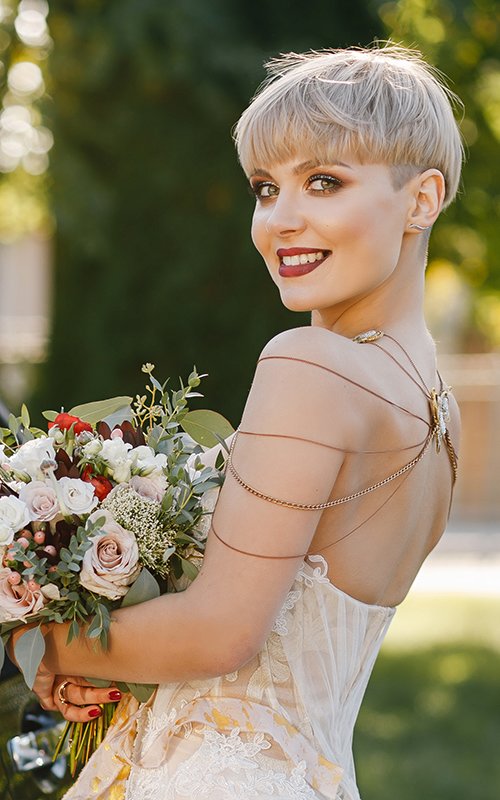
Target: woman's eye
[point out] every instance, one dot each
(264, 189)
(324, 183)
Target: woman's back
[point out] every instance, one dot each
(375, 541)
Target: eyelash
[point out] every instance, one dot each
(322, 177)
(256, 188)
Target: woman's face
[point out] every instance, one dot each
(329, 233)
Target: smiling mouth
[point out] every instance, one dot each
(296, 261)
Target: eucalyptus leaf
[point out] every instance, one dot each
(168, 552)
(97, 411)
(50, 415)
(14, 424)
(29, 651)
(189, 569)
(145, 587)
(205, 426)
(25, 416)
(141, 691)
(122, 415)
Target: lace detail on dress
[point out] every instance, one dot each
(227, 765)
(280, 624)
(224, 767)
(318, 574)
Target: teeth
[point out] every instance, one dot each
(303, 258)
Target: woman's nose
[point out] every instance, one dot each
(284, 217)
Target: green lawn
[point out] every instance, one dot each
(429, 728)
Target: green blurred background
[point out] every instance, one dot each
(124, 238)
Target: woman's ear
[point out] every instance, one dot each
(428, 196)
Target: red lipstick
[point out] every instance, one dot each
(291, 267)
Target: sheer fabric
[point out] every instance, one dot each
(195, 739)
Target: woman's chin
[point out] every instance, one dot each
(296, 303)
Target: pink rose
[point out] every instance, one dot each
(111, 564)
(41, 500)
(17, 600)
(152, 488)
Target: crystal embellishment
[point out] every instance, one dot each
(368, 336)
(440, 409)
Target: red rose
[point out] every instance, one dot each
(102, 486)
(65, 421)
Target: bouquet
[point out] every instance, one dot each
(108, 508)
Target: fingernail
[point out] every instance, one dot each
(95, 712)
(115, 695)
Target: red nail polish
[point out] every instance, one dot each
(115, 695)
(95, 712)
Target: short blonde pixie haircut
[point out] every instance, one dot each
(378, 104)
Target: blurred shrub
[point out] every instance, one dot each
(153, 256)
(428, 728)
(462, 38)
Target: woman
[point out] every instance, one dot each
(341, 473)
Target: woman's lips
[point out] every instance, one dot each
(297, 261)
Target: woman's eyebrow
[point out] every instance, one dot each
(304, 166)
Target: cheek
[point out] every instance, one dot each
(258, 231)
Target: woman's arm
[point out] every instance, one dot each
(224, 617)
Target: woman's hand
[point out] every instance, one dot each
(77, 700)
(74, 697)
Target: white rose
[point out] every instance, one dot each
(152, 487)
(145, 460)
(41, 500)
(16, 602)
(6, 536)
(31, 454)
(121, 472)
(14, 515)
(92, 448)
(116, 454)
(111, 564)
(114, 451)
(77, 496)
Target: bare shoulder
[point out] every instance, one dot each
(311, 343)
(300, 378)
(341, 365)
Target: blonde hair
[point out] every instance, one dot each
(378, 104)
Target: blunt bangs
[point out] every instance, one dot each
(378, 105)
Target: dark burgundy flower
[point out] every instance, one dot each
(131, 435)
(66, 466)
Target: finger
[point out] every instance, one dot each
(79, 695)
(73, 713)
(44, 688)
(82, 701)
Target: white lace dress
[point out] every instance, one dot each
(280, 728)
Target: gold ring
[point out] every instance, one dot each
(60, 693)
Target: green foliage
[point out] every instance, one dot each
(427, 727)
(29, 650)
(145, 587)
(153, 254)
(462, 38)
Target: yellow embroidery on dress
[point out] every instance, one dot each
(96, 782)
(117, 792)
(223, 721)
(279, 720)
